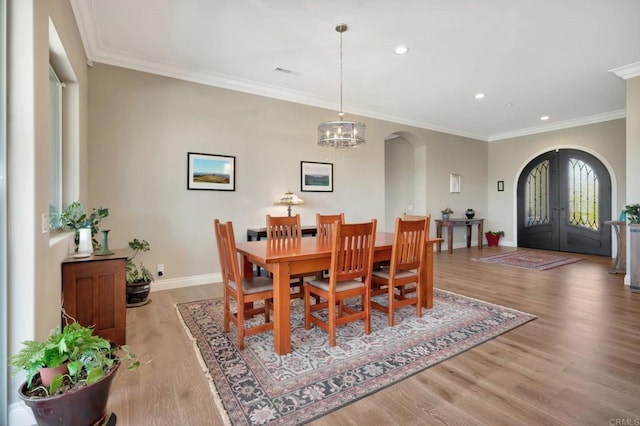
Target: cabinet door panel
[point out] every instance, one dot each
(95, 295)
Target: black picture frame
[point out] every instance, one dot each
(500, 185)
(316, 177)
(211, 172)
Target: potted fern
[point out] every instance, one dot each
(139, 277)
(77, 393)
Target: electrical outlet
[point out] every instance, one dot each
(44, 223)
(160, 269)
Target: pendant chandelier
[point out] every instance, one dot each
(341, 133)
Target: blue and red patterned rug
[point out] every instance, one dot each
(530, 259)
(256, 386)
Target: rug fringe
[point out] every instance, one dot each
(216, 397)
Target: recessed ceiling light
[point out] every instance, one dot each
(509, 105)
(544, 118)
(479, 95)
(400, 50)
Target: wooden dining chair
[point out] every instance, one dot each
(350, 276)
(324, 224)
(324, 231)
(243, 291)
(426, 217)
(286, 231)
(407, 256)
(409, 289)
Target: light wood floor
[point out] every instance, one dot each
(577, 364)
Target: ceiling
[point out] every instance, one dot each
(530, 58)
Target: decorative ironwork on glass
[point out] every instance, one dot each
(537, 196)
(583, 195)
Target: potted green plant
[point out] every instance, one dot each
(493, 237)
(446, 213)
(78, 394)
(139, 277)
(632, 211)
(74, 217)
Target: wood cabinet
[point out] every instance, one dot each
(94, 293)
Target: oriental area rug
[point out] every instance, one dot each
(258, 387)
(530, 260)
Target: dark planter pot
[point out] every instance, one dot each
(83, 407)
(138, 294)
(492, 240)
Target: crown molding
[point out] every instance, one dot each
(591, 119)
(626, 72)
(85, 19)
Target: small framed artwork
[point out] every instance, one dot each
(454, 182)
(316, 177)
(500, 185)
(211, 172)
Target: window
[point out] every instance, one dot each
(55, 148)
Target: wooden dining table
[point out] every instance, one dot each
(310, 255)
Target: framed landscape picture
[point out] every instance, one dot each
(316, 177)
(211, 172)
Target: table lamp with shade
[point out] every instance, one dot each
(289, 199)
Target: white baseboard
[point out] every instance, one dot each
(172, 283)
(20, 415)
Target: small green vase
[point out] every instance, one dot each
(104, 243)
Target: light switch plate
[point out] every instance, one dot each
(45, 223)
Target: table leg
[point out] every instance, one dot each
(439, 235)
(469, 235)
(426, 278)
(281, 309)
(450, 237)
(480, 235)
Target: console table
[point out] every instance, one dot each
(620, 226)
(450, 223)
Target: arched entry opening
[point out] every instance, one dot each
(405, 176)
(563, 200)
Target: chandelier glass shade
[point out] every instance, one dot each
(341, 133)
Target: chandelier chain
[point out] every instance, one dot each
(341, 77)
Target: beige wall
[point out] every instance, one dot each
(33, 258)
(507, 158)
(143, 125)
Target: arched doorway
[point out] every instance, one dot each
(563, 200)
(405, 177)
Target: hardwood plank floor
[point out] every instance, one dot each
(577, 364)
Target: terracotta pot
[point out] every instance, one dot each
(82, 407)
(47, 374)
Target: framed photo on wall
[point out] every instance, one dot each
(454, 182)
(316, 177)
(211, 172)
